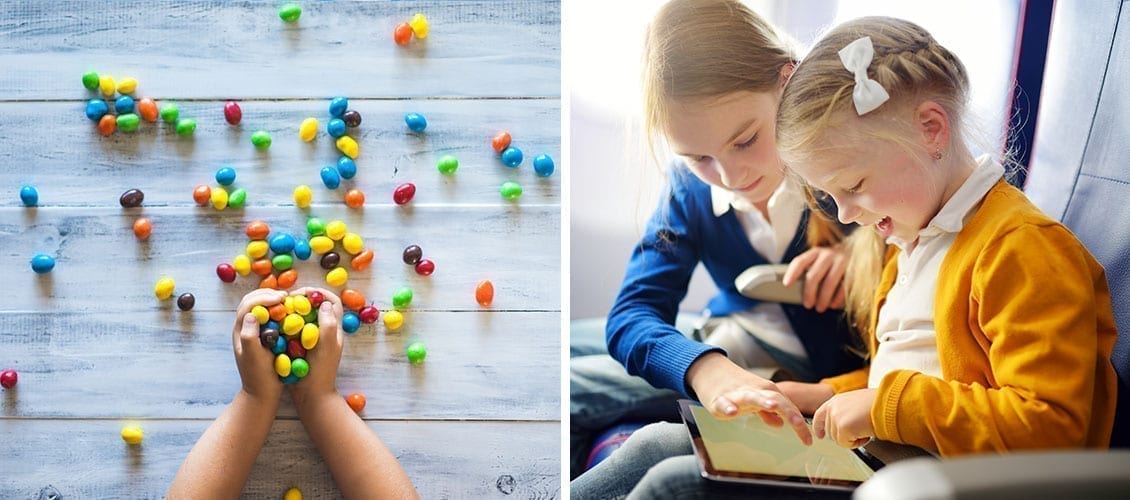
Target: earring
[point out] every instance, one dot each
(937, 154)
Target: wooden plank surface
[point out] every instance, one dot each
(96, 350)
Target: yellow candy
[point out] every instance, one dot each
(288, 303)
(419, 25)
(242, 265)
(336, 230)
(292, 324)
(282, 365)
(302, 305)
(321, 244)
(393, 319)
(293, 494)
(257, 249)
(219, 198)
(132, 435)
(353, 243)
(164, 288)
(348, 146)
(310, 336)
(106, 85)
(129, 84)
(308, 130)
(261, 314)
(337, 277)
(303, 196)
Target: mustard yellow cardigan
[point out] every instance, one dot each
(1024, 331)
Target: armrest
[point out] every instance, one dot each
(1058, 474)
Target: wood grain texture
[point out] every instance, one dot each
(87, 459)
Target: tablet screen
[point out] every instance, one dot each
(746, 448)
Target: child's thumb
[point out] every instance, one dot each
(249, 331)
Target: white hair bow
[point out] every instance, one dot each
(868, 93)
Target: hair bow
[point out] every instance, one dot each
(868, 93)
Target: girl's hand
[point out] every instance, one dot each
(255, 362)
(727, 391)
(823, 270)
(846, 418)
(807, 397)
(325, 357)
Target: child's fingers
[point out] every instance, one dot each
(329, 323)
(249, 326)
(798, 267)
(261, 297)
(819, 420)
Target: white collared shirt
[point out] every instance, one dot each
(770, 240)
(905, 329)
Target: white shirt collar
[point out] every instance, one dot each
(787, 195)
(953, 215)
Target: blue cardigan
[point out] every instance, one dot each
(681, 233)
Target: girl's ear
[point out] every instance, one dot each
(933, 125)
(787, 72)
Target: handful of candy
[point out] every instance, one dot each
(290, 329)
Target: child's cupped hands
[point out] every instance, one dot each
(255, 363)
(325, 358)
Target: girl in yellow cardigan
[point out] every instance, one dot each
(992, 326)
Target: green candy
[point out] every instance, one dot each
(185, 126)
(90, 80)
(416, 353)
(402, 297)
(128, 122)
(237, 198)
(290, 12)
(315, 227)
(282, 262)
(311, 317)
(261, 139)
(299, 367)
(510, 190)
(169, 113)
(447, 164)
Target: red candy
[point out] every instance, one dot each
(402, 34)
(404, 193)
(202, 195)
(368, 314)
(8, 378)
(294, 349)
(316, 298)
(425, 267)
(226, 272)
(232, 113)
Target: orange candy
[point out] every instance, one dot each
(362, 260)
(202, 195)
(277, 312)
(258, 230)
(107, 125)
(142, 228)
(352, 299)
(147, 108)
(484, 293)
(271, 282)
(500, 142)
(354, 198)
(356, 401)
(402, 34)
(288, 278)
(262, 267)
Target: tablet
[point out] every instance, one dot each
(748, 450)
(763, 282)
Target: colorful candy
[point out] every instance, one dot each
(352, 299)
(90, 80)
(300, 368)
(330, 260)
(510, 190)
(127, 86)
(123, 105)
(164, 288)
(106, 85)
(402, 297)
(368, 314)
(185, 127)
(354, 198)
(352, 118)
(257, 230)
(282, 262)
(9, 378)
(128, 122)
(290, 12)
(132, 435)
(350, 322)
(287, 278)
(425, 267)
(543, 165)
(142, 228)
(447, 164)
(321, 244)
(348, 146)
(484, 293)
(282, 365)
(237, 198)
(416, 122)
(362, 260)
(335, 127)
(282, 243)
(232, 112)
(268, 337)
(169, 113)
(201, 194)
(186, 301)
(419, 25)
(261, 139)
(402, 34)
(356, 402)
(225, 176)
(96, 109)
(302, 249)
(337, 277)
(107, 125)
(330, 178)
(336, 230)
(353, 243)
(29, 196)
(416, 353)
(147, 108)
(338, 106)
(262, 315)
(308, 129)
(412, 254)
(393, 319)
(241, 264)
(310, 337)
(346, 167)
(131, 198)
(219, 198)
(226, 272)
(500, 142)
(404, 193)
(512, 157)
(315, 227)
(42, 263)
(261, 267)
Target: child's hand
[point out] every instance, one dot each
(255, 363)
(326, 356)
(807, 397)
(846, 418)
(727, 391)
(823, 270)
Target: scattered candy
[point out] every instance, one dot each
(310, 337)
(412, 254)
(353, 243)
(232, 112)
(96, 109)
(42, 263)
(282, 262)
(484, 293)
(257, 230)
(201, 194)
(510, 190)
(282, 365)
(419, 25)
(308, 129)
(9, 378)
(543, 165)
(282, 243)
(287, 278)
(164, 288)
(512, 157)
(500, 142)
(354, 198)
(132, 435)
(131, 198)
(226, 271)
(352, 118)
(425, 267)
(147, 108)
(262, 316)
(299, 367)
(219, 198)
(350, 322)
(106, 85)
(330, 178)
(335, 127)
(338, 106)
(294, 349)
(402, 34)
(142, 228)
(447, 164)
(302, 249)
(169, 113)
(362, 260)
(261, 267)
(337, 277)
(290, 12)
(368, 314)
(261, 139)
(315, 227)
(356, 402)
(416, 353)
(402, 297)
(416, 122)
(237, 198)
(128, 122)
(242, 265)
(352, 299)
(348, 146)
(336, 230)
(316, 298)
(330, 260)
(185, 127)
(225, 176)
(90, 80)
(321, 244)
(404, 193)
(123, 105)
(29, 196)
(393, 319)
(346, 167)
(186, 301)
(107, 125)
(127, 86)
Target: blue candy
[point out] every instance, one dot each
(330, 177)
(274, 325)
(95, 109)
(338, 105)
(225, 176)
(280, 346)
(350, 322)
(416, 122)
(336, 127)
(543, 165)
(346, 167)
(29, 196)
(282, 243)
(290, 379)
(302, 249)
(124, 105)
(42, 263)
(512, 157)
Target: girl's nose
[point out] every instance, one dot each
(847, 212)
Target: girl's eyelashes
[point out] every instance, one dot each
(748, 143)
(697, 159)
(856, 188)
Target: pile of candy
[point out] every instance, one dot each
(290, 329)
(127, 113)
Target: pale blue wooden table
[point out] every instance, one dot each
(95, 350)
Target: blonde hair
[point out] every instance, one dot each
(912, 67)
(700, 50)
